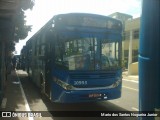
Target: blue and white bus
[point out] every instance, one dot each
(76, 57)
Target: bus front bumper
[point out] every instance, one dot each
(88, 95)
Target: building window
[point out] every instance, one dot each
(126, 54)
(136, 34)
(134, 55)
(126, 35)
(126, 58)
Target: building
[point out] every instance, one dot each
(131, 31)
(130, 42)
(122, 17)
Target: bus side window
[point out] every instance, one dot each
(59, 52)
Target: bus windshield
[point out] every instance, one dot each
(88, 54)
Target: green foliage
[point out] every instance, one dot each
(124, 62)
(21, 29)
(11, 46)
(27, 4)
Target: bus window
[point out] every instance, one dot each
(58, 53)
(87, 54)
(109, 54)
(78, 54)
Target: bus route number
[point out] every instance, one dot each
(80, 82)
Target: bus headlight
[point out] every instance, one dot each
(69, 87)
(117, 82)
(63, 84)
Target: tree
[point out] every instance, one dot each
(11, 31)
(27, 4)
(20, 28)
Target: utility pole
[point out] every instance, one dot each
(149, 59)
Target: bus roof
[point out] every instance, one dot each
(83, 15)
(68, 15)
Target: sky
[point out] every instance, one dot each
(44, 10)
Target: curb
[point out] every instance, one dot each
(136, 78)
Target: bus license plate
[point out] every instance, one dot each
(94, 95)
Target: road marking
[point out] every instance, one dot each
(135, 81)
(130, 88)
(25, 99)
(4, 101)
(134, 108)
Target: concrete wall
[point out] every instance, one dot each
(133, 69)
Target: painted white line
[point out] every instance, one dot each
(134, 108)
(135, 81)
(130, 88)
(4, 102)
(25, 99)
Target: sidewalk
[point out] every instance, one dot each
(17, 101)
(129, 77)
(13, 99)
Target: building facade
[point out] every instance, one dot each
(131, 34)
(130, 44)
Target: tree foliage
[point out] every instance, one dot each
(12, 32)
(27, 4)
(21, 29)
(17, 30)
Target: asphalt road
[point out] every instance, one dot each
(129, 98)
(37, 102)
